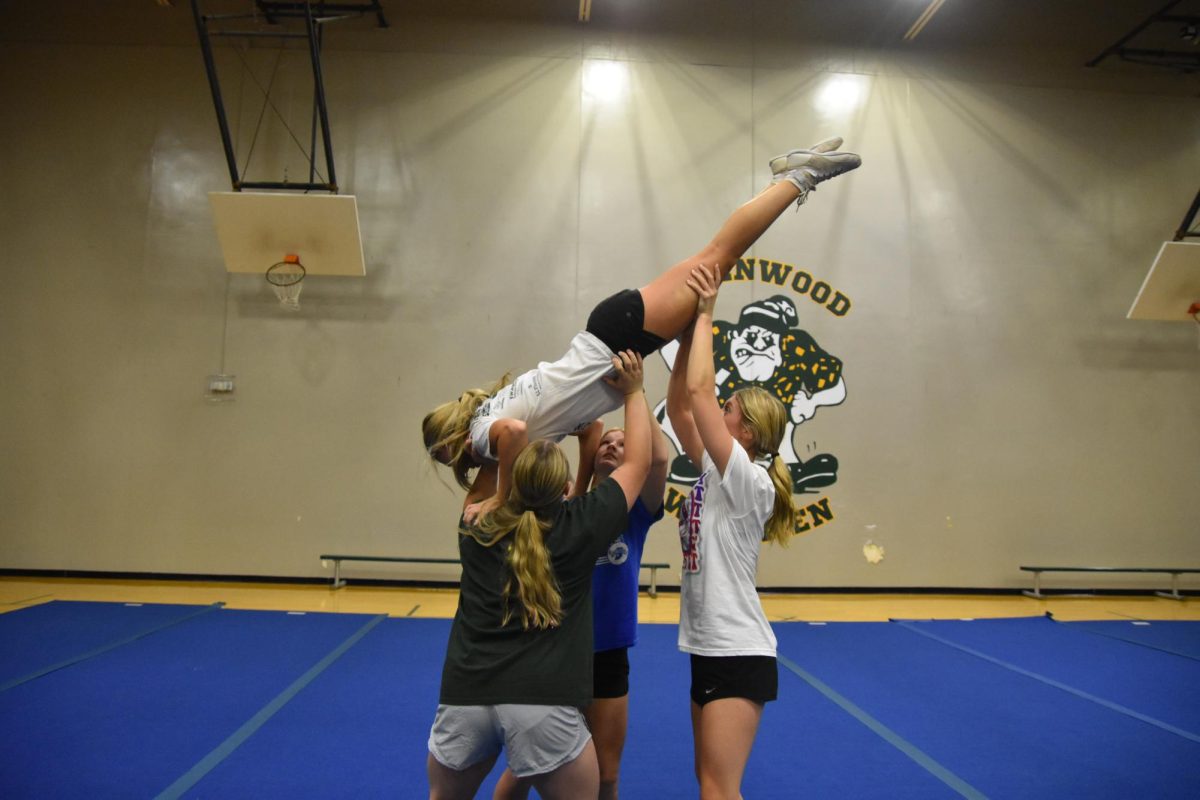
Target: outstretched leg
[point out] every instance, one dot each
(669, 304)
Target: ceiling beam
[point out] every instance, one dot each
(923, 20)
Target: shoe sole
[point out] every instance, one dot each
(826, 146)
(797, 159)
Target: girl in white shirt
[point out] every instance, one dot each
(743, 497)
(566, 396)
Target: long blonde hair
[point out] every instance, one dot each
(766, 419)
(539, 477)
(449, 426)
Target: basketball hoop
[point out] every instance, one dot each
(256, 228)
(285, 278)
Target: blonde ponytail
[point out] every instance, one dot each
(766, 419)
(532, 576)
(782, 524)
(540, 474)
(449, 426)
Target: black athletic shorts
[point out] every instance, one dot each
(617, 321)
(610, 673)
(752, 677)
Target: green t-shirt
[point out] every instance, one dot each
(489, 664)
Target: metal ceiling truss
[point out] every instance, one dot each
(1183, 60)
(1187, 227)
(312, 16)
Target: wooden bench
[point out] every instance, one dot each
(1172, 571)
(339, 582)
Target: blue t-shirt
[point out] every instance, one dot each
(615, 582)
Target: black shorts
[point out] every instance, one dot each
(610, 673)
(754, 678)
(617, 321)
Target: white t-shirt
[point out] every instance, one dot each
(555, 399)
(721, 526)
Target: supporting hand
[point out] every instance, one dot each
(705, 281)
(628, 366)
(473, 511)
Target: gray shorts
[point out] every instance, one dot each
(537, 739)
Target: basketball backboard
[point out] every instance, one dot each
(259, 229)
(1172, 287)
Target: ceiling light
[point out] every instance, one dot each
(840, 95)
(605, 81)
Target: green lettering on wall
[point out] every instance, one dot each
(743, 270)
(820, 512)
(673, 501)
(774, 272)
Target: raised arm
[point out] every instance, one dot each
(660, 461)
(631, 475)
(701, 380)
(589, 443)
(679, 404)
(508, 438)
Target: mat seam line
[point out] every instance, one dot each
(910, 750)
(1100, 701)
(105, 648)
(235, 740)
(1155, 648)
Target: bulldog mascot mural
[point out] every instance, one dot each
(766, 349)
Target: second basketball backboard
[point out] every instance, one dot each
(1172, 286)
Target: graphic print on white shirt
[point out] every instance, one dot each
(720, 613)
(689, 526)
(526, 389)
(555, 399)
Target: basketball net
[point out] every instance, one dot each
(286, 279)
